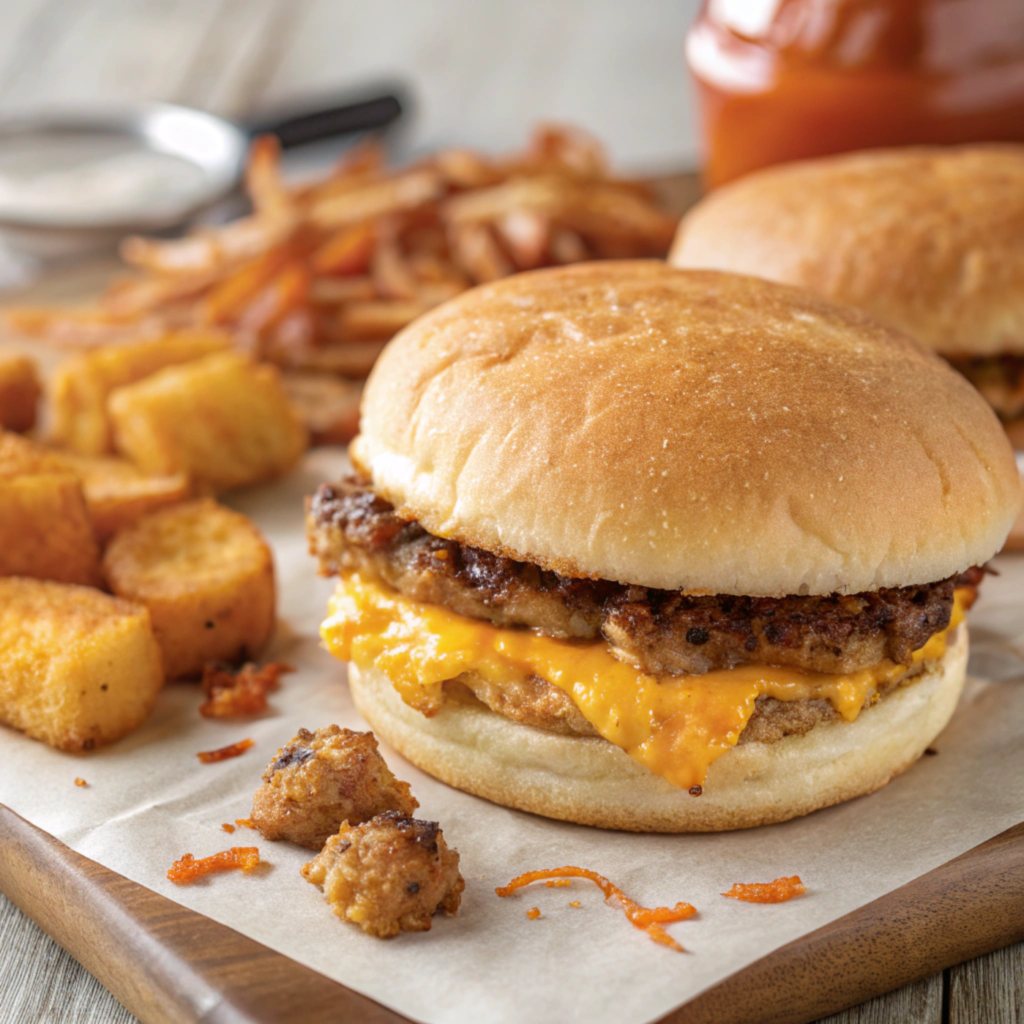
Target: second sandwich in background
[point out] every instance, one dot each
(928, 240)
(658, 550)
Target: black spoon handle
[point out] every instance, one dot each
(348, 117)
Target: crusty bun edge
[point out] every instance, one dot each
(592, 782)
(587, 420)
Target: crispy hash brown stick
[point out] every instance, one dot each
(281, 279)
(647, 919)
(320, 275)
(188, 869)
(778, 891)
(224, 753)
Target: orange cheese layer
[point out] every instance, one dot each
(674, 725)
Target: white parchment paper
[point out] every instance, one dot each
(149, 800)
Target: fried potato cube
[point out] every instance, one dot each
(117, 492)
(319, 780)
(78, 668)
(45, 530)
(390, 874)
(81, 385)
(223, 420)
(19, 455)
(19, 392)
(207, 577)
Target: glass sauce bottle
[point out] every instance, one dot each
(787, 79)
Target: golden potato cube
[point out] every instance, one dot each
(117, 492)
(19, 455)
(77, 667)
(45, 530)
(223, 420)
(207, 577)
(81, 385)
(19, 392)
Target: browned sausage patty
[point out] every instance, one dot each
(352, 528)
(1000, 379)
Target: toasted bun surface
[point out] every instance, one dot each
(592, 782)
(686, 430)
(928, 240)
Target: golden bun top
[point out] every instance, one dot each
(928, 240)
(686, 430)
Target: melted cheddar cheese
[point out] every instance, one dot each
(674, 725)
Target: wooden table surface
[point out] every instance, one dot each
(482, 72)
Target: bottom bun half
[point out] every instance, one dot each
(593, 782)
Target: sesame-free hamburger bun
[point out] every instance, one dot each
(615, 522)
(927, 240)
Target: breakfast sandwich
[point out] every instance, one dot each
(928, 240)
(660, 550)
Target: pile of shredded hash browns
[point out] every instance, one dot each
(320, 275)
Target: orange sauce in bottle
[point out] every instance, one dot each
(783, 80)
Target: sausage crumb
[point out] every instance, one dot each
(388, 875)
(319, 780)
(231, 693)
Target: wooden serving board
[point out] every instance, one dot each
(170, 965)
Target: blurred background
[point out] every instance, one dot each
(481, 72)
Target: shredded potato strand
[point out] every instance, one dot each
(188, 869)
(212, 756)
(778, 891)
(647, 919)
